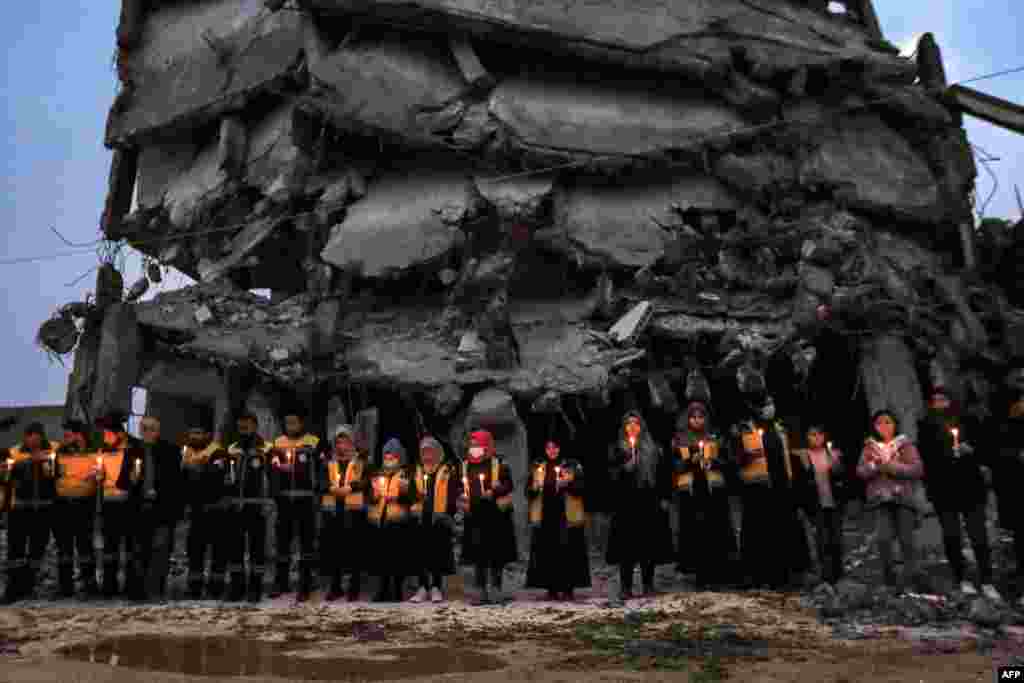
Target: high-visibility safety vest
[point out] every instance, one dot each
(111, 461)
(19, 454)
(307, 441)
(711, 450)
(575, 515)
(756, 469)
(444, 474)
(391, 485)
(353, 472)
(190, 457)
(76, 475)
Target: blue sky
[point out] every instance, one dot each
(59, 83)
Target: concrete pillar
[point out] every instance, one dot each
(117, 366)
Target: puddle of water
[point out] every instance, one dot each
(224, 656)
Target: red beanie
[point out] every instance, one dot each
(483, 438)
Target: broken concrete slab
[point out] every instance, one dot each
(395, 84)
(177, 88)
(692, 39)
(756, 172)
(628, 328)
(619, 225)
(408, 217)
(557, 112)
(879, 170)
(519, 198)
(241, 247)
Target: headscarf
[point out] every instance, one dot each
(395, 446)
(484, 438)
(681, 439)
(647, 451)
(345, 430)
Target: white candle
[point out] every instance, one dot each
(956, 437)
(465, 486)
(138, 467)
(558, 473)
(481, 483)
(760, 439)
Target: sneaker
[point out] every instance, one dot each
(990, 592)
(420, 596)
(967, 588)
(436, 595)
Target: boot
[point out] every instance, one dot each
(237, 590)
(305, 584)
(255, 593)
(354, 582)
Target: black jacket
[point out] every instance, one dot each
(166, 507)
(951, 483)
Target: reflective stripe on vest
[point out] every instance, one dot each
(505, 502)
(444, 474)
(575, 514)
(383, 510)
(354, 472)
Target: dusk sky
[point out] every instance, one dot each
(60, 82)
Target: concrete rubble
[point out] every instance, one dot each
(650, 187)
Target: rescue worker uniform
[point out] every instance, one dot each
(75, 517)
(117, 519)
(296, 483)
(343, 533)
(30, 521)
(205, 520)
(246, 496)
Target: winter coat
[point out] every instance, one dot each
(952, 483)
(896, 488)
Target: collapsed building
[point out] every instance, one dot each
(516, 213)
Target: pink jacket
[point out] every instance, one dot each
(890, 488)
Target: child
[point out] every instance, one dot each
(437, 491)
(824, 467)
(389, 516)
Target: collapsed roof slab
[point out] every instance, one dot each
(692, 38)
(214, 75)
(412, 89)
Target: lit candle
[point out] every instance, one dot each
(381, 487)
(424, 483)
(138, 467)
(337, 477)
(700, 452)
(481, 483)
(558, 473)
(465, 487)
(760, 439)
(231, 470)
(632, 445)
(53, 463)
(956, 437)
(289, 454)
(184, 452)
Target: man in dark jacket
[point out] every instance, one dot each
(30, 468)
(201, 493)
(1010, 476)
(956, 486)
(153, 481)
(247, 495)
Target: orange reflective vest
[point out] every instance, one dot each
(755, 471)
(382, 510)
(76, 475)
(353, 472)
(711, 451)
(444, 474)
(575, 514)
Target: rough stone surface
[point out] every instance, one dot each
(406, 219)
(117, 363)
(613, 223)
(197, 86)
(885, 175)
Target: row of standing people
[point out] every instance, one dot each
(398, 520)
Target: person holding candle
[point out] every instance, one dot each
(247, 497)
(559, 559)
(773, 542)
(344, 532)
(117, 519)
(75, 512)
(202, 489)
(955, 484)
(31, 519)
(297, 481)
(705, 523)
(824, 468)
(1009, 467)
(153, 483)
(489, 536)
(391, 497)
(437, 492)
(890, 465)
(641, 481)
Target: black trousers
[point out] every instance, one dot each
(295, 514)
(119, 532)
(830, 543)
(151, 555)
(247, 526)
(952, 539)
(28, 535)
(206, 541)
(74, 529)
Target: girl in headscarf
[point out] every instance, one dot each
(392, 495)
(343, 535)
(489, 537)
(437, 491)
(706, 534)
(559, 561)
(890, 465)
(641, 488)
